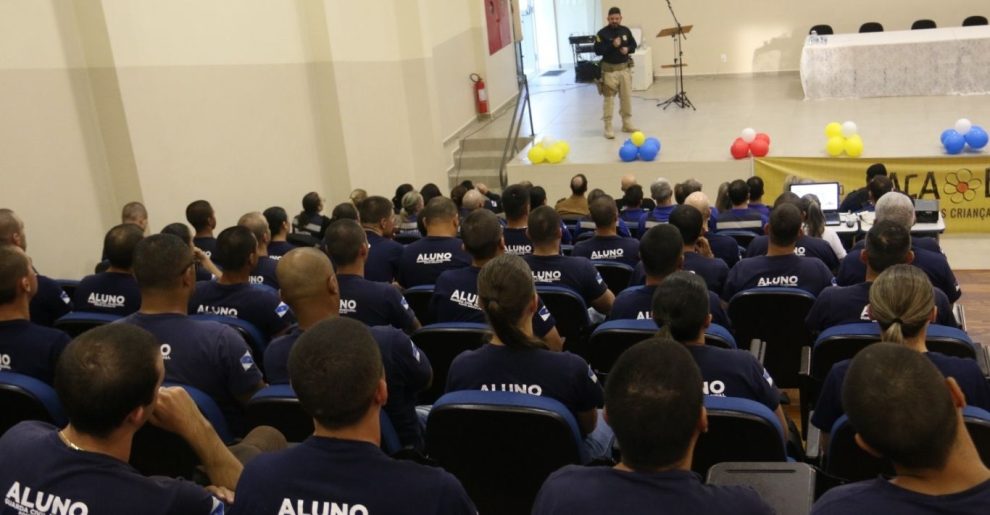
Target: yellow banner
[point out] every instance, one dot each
(960, 184)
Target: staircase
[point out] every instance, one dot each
(478, 160)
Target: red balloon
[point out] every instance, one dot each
(759, 147)
(763, 136)
(740, 149)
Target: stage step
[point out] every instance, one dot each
(478, 160)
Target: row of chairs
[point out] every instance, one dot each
(872, 26)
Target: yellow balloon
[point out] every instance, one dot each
(537, 155)
(835, 145)
(555, 155)
(833, 129)
(638, 138)
(564, 147)
(854, 146)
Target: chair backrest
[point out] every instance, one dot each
(566, 250)
(26, 398)
(786, 487)
(251, 334)
(871, 26)
(209, 408)
(738, 430)
(407, 237)
(442, 343)
(302, 239)
(825, 30)
(571, 313)
(923, 24)
(775, 316)
(418, 298)
(612, 338)
(616, 275)
(68, 286)
(742, 236)
(77, 322)
(502, 445)
(277, 406)
(974, 20)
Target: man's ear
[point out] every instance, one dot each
(866, 447)
(702, 426)
(910, 257)
(958, 397)
(864, 256)
(766, 229)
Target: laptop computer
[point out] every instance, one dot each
(828, 196)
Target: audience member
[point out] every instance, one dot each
(878, 187)
(371, 302)
(606, 244)
(206, 355)
(412, 205)
(357, 196)
(400, 192)
(905, 411)
(337, 373)
(756, 187)
(201, 217)
(887, 244)
(135, 213)
(655, 405)
(310, 288)
(577, 203)
(425, 259)
(629, 181)
(429, 191)
(205, 269)
(663, 194)
(493, 201)
(232, 294)
(311, 220)
(516, 202)
(383, 252)
(516, 361)
(344, 211)
(49, 302)
(264, 270)
(457, 195)
(698, 256)
(455, 298)
(25, 347)
(683, 189)
(740, 217)
(278, 226)
(473, 200)
(858, 200)
(632, 205)
(723, 202)
(723, 247)
(806, 245)
(814, 225)
(114, 292)
(549, 267)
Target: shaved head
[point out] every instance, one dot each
(302, 274)
(258, 225)
(627, 181)
(699, 201)
(472, 200)
(11, 229)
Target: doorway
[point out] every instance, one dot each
(547, 26)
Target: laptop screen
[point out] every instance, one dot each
(827, 193)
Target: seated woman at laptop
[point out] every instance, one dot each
(814, 224)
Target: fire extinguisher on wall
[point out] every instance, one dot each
(480, 96)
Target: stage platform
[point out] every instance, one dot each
(696, 143)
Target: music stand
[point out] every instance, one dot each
(680, 97)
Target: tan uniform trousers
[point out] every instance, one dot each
(617, 78)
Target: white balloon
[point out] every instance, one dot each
(963, 125)
(748, 135)
(849, 129)
(547, 142)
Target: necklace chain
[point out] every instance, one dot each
(68, 442)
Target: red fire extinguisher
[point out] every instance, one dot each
(480, 95)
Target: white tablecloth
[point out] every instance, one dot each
(949, 61)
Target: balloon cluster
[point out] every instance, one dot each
(964, 133)
(548, 151)
(750, 142)
(843, 137)
(639, 146)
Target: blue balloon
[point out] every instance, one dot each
(655, 145)
(648, 152)
(946, 133)
(954, 143)
(652, 140)
(628, 152)
(977, 138)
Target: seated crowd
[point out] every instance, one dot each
(326, 295)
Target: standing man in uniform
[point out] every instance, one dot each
(614, 43)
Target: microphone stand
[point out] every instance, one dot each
(680, 97)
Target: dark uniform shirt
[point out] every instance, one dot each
(636, 303)
(374, 303)
(383, 258)
(839, 305)
(713, 270)
(790, 271)
(264, 272)
(934, 264)
(724, 247)
(277, 249)
(49, 303)
(30, 349)
(610, 53)
(516, 242)
(608, 248)
(575, 273)
(743, 219)
(881, 496)
(734, 373)
(113, 293)
(425, 259)
(263, 309)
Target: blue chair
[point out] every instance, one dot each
(742, 236)
(442, 343)
(68, 286)
(75, 323)
(738, 430)
(612, 338)
(277, 406)
(775, 317)
(571, 313)
(418, 298)
(501, 445)
(616, 275)
(255, 339)
(26, 398)
(407, 237)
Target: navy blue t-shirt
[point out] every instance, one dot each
(744, 219)
(658, 214)
(608, 248)
(207, 244)
(263, 309)
(575, 490)
(455, 299)
(763, 209)
(881, 496)
(425, 259)
(264, 272)
(935, 265)
(734, 373)
(636, 303)
(561, 376)
(383, 258)
(374, 303)
(806, 246)
(791, 271)
(838, 305)
(632, 215)
(407, 372)
(516, 242)
(49, 303)
(329, 475)
(575, 273)
(40, 470)
(113, 293)
(724, 247)
(30, 349)
(277, 249)
(206, 355)
(965, 371)
(713, 270)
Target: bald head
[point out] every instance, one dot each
(258, 225)
(472, 200)
(302, 275)
(134, 213)
(699, 201)
(896, 207)
(627, 181)
(11, 229)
